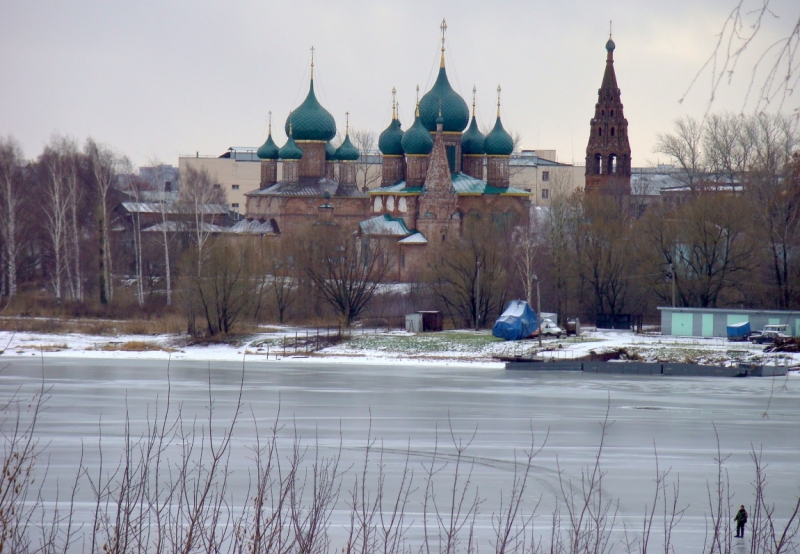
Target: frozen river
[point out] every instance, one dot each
(336, 405)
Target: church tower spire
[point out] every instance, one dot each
(608, 153)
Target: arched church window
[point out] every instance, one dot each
(612, 113)
(602, 112)
(612, 131)
(598, 164)
(612, 164)
(599, 131)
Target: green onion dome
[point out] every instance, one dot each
(290, 150)
(472, 141)
(417, 140)
(390, 143)
(347, 152)
(310, 121)
(330, 152)
(610, 45)
(498, 142)
(454, 109)
(269, 150)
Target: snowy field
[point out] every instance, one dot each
(380, 346)
(410, 410)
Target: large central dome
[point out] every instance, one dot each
(310, 121)
(454, 110)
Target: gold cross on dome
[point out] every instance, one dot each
(347, 123)
(474, 91)
(312, 62)
(443, 27)
(498, 100)
(270, 122)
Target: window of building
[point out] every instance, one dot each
(599, 132)
(545, 175)
(167, 186)
(403, 259)
(612, 112)
(612, 131)
(216, 185)
(545, 193)
(235, 206)
(612, 164)
(235, 187)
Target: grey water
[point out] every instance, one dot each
(414, 411)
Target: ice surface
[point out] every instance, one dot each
(412, 407)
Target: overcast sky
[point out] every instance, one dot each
(158, 79)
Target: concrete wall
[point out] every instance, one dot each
(533, 178)
(697, 322)
(234, 177)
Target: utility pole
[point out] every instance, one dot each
(538, 308)
(672, 278)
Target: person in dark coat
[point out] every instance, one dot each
(740, 519)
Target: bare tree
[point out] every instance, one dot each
(470, 275)
(684, 148)
(555, 225)
(344, 268)
(135, 187)
(105, 168)
(58, 164)
(527, 244)
(164, 202)
(200, 197)
(367, 174)
(12, 198)
(779, 59)
(602, 243)
(228, 286)
(281, 275)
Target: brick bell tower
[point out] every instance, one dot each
(608, 154)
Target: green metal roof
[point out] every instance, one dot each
(310, 121)
(454, 110)
(290, 150)
(417, 140)
(472, 141)
(498, 142)
(330, 151)
(391, 139)
(268, 150)
(347, 152)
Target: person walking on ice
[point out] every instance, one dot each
(740, 519)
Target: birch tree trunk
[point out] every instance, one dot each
(165, 237)
(74, 200)
(56, 214)
(104, 164)
(10, 204)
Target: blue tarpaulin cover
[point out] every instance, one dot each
(517, 322)
(739, 330)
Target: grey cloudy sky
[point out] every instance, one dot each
(157, 79)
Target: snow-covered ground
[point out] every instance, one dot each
(379, 346)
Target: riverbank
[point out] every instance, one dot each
(379, 346)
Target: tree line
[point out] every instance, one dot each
(730, 237)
